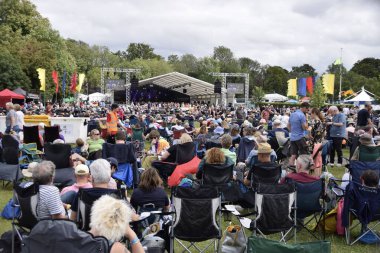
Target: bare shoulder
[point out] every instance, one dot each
(118, 247)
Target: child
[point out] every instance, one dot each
(370, 179)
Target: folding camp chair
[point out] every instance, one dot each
(369, 153)
(363, 203)
(356, 169)
(86, 198)
(192, 225)
(61, 236)
(265, 174)
(309, 196)
(26, 198)
(29, 153)
(31, 135)
(9, 168)
(274, 205)
(51, 133)
(60, 154)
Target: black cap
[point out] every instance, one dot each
(113, 161)
(114, 106)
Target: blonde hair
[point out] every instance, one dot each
(110, 217)
(185, 138)
(215, 156)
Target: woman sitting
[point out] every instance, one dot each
(95, 145)
(214, 156)
(150, 191)
(181, 153)
(158, 145)
(110, 218)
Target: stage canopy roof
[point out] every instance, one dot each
(178, 82)
(362, 96)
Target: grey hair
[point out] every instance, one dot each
(44, 172)
(333, 108)
(305, 162)
(10, 104)
(100, 171)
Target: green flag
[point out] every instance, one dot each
(337, 61)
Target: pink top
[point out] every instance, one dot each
(75, 188)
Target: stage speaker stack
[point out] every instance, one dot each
(134, 83)
(217, 86)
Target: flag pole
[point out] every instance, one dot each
(340, 75)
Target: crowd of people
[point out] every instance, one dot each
(195, 135)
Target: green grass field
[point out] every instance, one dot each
(338, 243)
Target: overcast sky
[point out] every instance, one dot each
(275, 32)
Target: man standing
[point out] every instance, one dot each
(10, 119)
(112, 123)
(364, 117)
(297, 126)
(337, 133)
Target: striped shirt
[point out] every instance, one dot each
(49, 202)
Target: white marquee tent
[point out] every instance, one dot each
(97, 97)
(362, 96)
(275, 97)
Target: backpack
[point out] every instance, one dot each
(10, 211)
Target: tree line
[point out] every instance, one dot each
(28, 41)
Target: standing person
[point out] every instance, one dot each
(19, 118)
(364, 117)
(337, 133)
(112, 123)
(317, 130)
(297, 126)
(10, 118)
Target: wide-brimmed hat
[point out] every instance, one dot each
(28, 173)
(366, 139)
(264, 148)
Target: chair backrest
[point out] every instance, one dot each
(124, 153)
(369, 154)
(213, 144)
(357, 168)
(265, 174)
(190, 223)
(51, 133)
(87, 197)
(48, 236)
(10, 149)
(31, 135)
(274, 204)
(245, 147)
(364, 200)
(217, 174)
(308, 197)
(59, 154)
(27, 198)
(137, 134)
(354, 144)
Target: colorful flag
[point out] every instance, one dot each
(54, 75)
(64, 83)
(338, 61)
(309, 85)
(328, 83)
(292, 88)
(73, 86)
(301, 84)
(80, 82)
(41, 76)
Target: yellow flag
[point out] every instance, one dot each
(292, 87)
(328, 83)
(80, 82)
(41, 76)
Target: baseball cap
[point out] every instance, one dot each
(82, 169)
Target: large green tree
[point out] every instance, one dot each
(226, 59)
(276, 80)
(368, 67)
(304, 70)
(11, 74)
(141, 51)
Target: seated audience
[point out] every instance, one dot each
(181, 153)
(214, 156)
(277, 128)
(304, 164)
(365, 140)
(49, 205)
(82, 176)
(110, 218)
(150, 190)
(253, 155)
(120, 137)
(226, 142)
(264, 161)
(370, 179)
(95, 145)
(158, 145)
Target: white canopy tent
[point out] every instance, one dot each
(275, 97)
(97, 97)
(362, 96)
(82, 97)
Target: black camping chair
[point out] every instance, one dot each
(26, 198)
(191, 225)
(62, 236)
(9, 168)
(86, 198)
(51, 133)
(265, 174)
(60, 154)
(273, 206)
(31, 135)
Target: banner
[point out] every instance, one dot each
(338, 61)
(73, 86)
(54, 75)
(80, 82)
(64, 83)
(41, 76)
(301, 84)
(292, 87)
(309, 85)
(328, 83)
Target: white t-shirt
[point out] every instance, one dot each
(20, 119)
(284, 121)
